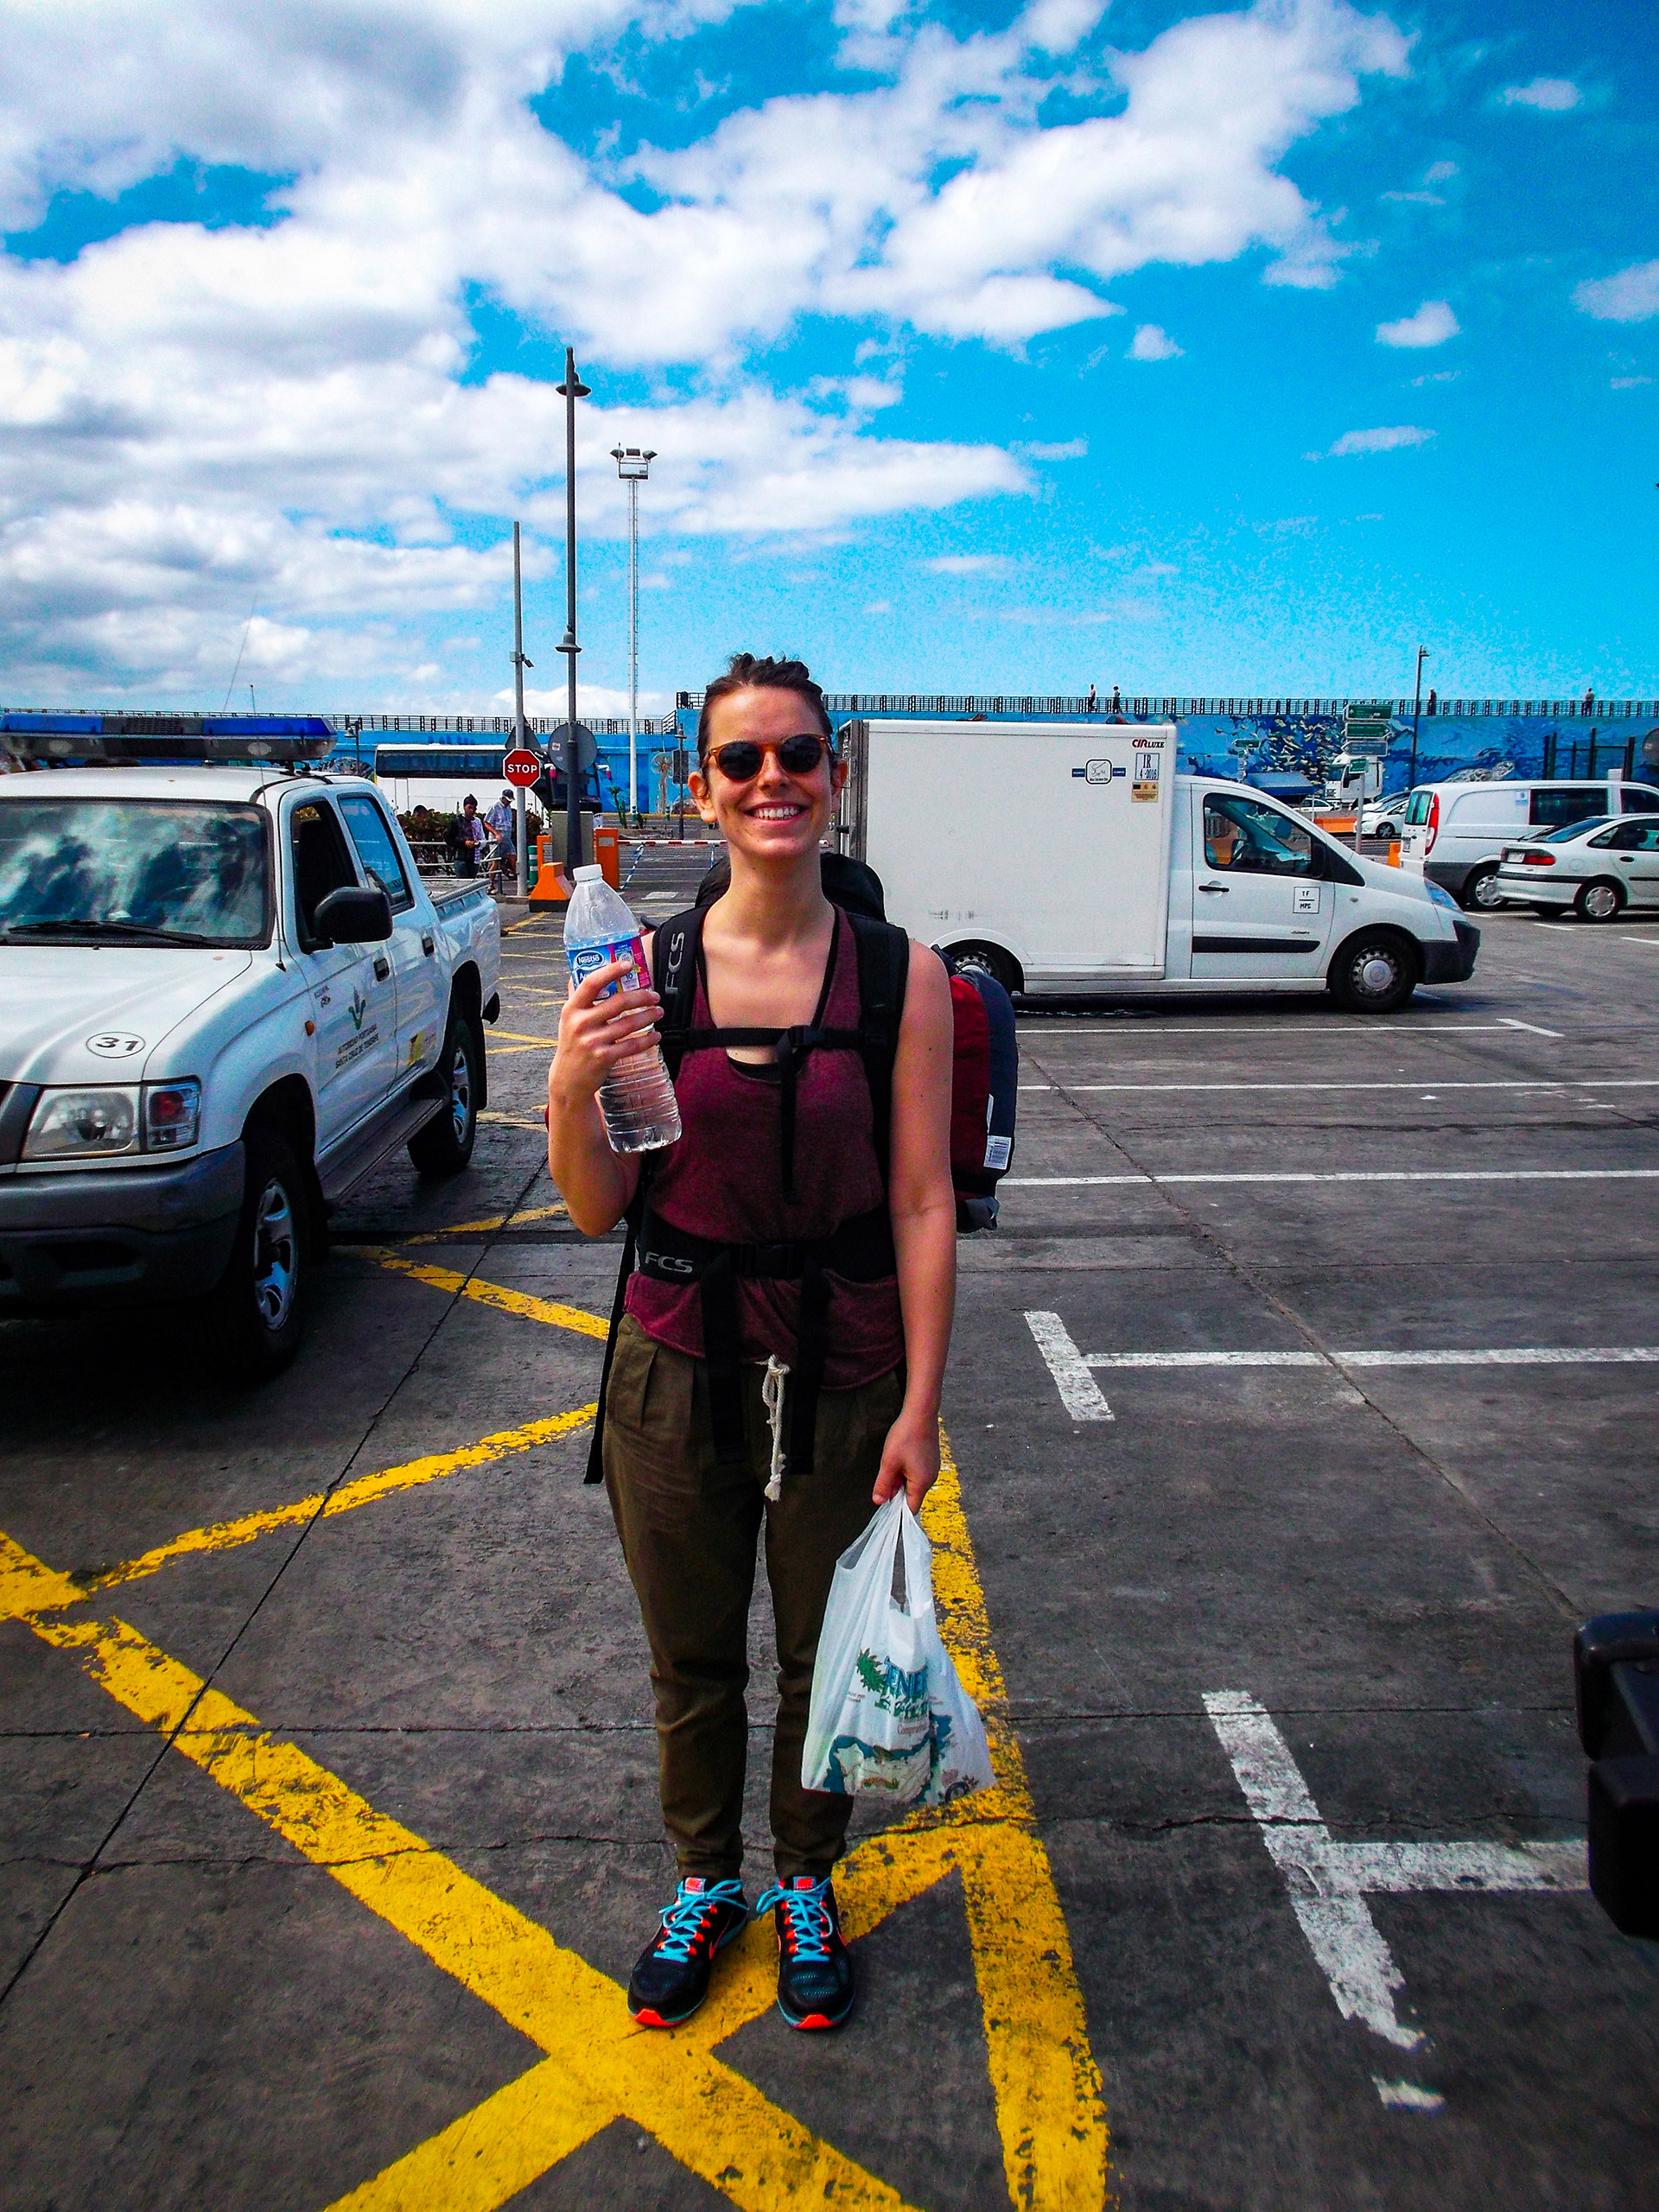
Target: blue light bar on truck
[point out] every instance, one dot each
(72, 740)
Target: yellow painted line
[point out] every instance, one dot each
(28, 1587)
(365, 1489)
(1044, 2081)
(514, 1121)
(496, 1220)
(490, 1293)
(518, 1037)
(600, 2067)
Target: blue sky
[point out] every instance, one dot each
(982, 348)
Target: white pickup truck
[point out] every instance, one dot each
(225, 996)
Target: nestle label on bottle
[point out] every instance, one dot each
(585, 958)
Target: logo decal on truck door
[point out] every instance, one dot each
(1098, 772)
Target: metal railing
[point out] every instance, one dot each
(1026, 705)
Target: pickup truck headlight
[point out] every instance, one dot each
(172, 1115)
(93, 1124)
(82, 1124)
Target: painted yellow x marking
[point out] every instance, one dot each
(598, 2066)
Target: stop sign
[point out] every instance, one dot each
(521, 768)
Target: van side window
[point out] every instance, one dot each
(321, 863)
(377, 851)
(1251, 839)
(1639, 801)
(1555, 810)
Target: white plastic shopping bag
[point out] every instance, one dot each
(888, 1714)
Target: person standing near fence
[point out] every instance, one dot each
(690, 1452)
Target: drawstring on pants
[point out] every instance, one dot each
(771, 1398)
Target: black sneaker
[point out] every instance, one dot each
(815, 1968)
(672, 1977)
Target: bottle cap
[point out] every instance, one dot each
(587, 875)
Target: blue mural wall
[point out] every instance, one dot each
(1293, 753)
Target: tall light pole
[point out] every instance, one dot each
(521, 840)
(634, 467)
(573, 389)
(1416, 715)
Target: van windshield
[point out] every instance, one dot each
(120, 871)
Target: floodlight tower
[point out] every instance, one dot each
(634, 467)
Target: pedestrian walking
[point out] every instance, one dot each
(724, 1351)
(502, 822)
(472, 837)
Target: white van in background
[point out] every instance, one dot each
(1455, 832)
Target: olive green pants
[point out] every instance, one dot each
(689, 1529)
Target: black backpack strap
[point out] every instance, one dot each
(674, 976)
(883, 972)
(674, 953)
(633, 1217)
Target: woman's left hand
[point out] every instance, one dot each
(910, 1461)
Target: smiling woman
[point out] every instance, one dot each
(780, 1362)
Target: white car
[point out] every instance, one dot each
(1593, 869)
(1384, 817)
(225, 996)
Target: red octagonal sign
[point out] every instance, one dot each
(522, 768)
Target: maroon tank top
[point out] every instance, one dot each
(724, 1180)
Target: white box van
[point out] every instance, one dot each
(1070, 858)
(1455, 832)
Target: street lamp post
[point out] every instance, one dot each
(634, 467)
(521, 840)
(1416, 715)
(573, 389)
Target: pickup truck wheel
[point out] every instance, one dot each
(445, 1146)
(255, 1314)
(1376, 972)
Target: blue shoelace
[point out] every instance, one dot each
(682, 1921)
(807, 1915)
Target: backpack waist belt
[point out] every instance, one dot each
(860, 1250)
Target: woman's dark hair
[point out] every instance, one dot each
(752, 671)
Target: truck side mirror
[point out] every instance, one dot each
(353, 917)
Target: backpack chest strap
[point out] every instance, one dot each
(791, 1048)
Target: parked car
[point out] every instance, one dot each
(1593, 869)
(1455, 832)
(1384, 817)
(226, 995)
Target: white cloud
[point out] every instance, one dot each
(1631, 296)
(1627, 384)
(1152, 344)
(1382, 441)
(1552, 95)
(969, 564)
(1433, 376)
(190, 415)
(1417, 198)
(1066, 449)
(1432, 325)
(1440, 172)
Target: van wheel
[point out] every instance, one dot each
(255, 1315)
(1374, 974)
(1482, 890)
(1600, 902)
(445, 1146)
(992, 959)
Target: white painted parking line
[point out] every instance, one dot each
(1079, 1392)
(1517, 1355)
(1328, 1881)
(1352, 1175)
(1508, 1021)
(1649, 941)
(1519, 1082)
(1406, 2096)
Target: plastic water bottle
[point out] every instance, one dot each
(637, 1099)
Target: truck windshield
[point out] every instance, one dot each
(118, 871)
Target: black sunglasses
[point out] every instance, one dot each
(796, 756)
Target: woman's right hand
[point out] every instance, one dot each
(595, 1032)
